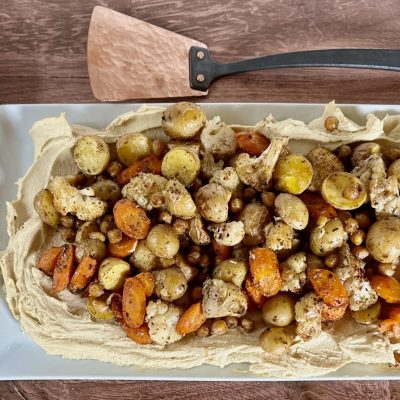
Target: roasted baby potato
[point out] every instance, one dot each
(275, 340)
(293, 174)
(222, 299)
(44, 206)
(279, 236)
(182, 164)
(178, 200)
(383, 240)
(113, 272)
(394, 169)
(343, 191)
(93, 248)
(324, 163)
(133, 147)
(231, 270)
(327, 237)
(368, 316)
(131, 219)
(143, 259)
(292, 210)
(163, 241)
(91, 155)
(183, 120)
(278, 310)
(212, 202)
(99, 309)
(170, 284)
(106, 190)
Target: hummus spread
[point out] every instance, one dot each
(61, 323)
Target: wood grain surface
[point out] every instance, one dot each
(43, 45)
(43, 59)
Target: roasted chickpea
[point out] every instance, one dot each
(331, 123)
(219, 327)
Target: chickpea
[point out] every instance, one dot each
(67, 234)
(158, 147)
(344, 152)
(166, 262)
(249, 193)
(97, 235)
(67, 221)
(247, 324)
(203, 331)
(219, 327)
(331, 123)
(114, 236)
(115, 168)
(364, 220)
(350, 225)
(231, 322)
(236, 205)
(205, 261)
(157, 200)
(331, 260)
(194, 255)
(165, 216)
(107, 224)
(352, 192)
(357, 237)
(181, 226)
(196, 293)
(95, 289)
(268, 199)
(360, 252)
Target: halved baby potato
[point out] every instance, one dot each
(85, 229)
(133, 147)
(107, 189)
(91, 154)
(368, 316)
(183, 120)
(182, 164)
(293, 174)
(112, 273)
(44, 206)
(343, 191)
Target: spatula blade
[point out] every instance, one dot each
(131, 59)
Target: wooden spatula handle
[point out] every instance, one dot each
(204, 70)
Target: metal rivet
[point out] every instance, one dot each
(200, 55)
(200, 77)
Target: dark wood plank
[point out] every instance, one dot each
(43, 46)
(43, 59)
(111, 390)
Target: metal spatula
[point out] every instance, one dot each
(131, 59)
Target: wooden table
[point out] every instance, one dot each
(43, 59)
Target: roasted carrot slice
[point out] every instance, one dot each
(83, 274)
(264, 270)
(254, 293)
(131, 219)
(48, 260)
(139, 335)
(147, 280)
(64, 268)
(150, 164)
(252, 142)
(134, 302)
(327, 285)
(123, 248)
(387, 287)
(191, 319)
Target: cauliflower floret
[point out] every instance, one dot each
(228, 233)
(208, 165)
(293, 273)
(222, 299)
(162, 318)
(257, 172)
(351, 273)
(228, 178)
(383, 192)
(197, 232)
(68, 199)
(218, 139)
(279, 236)
(141, 187)
(308, 316)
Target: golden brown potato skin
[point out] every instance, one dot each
(43, 203)
(383, 240)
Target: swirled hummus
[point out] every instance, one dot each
(61, 324)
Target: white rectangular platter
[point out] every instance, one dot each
(20, 357)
